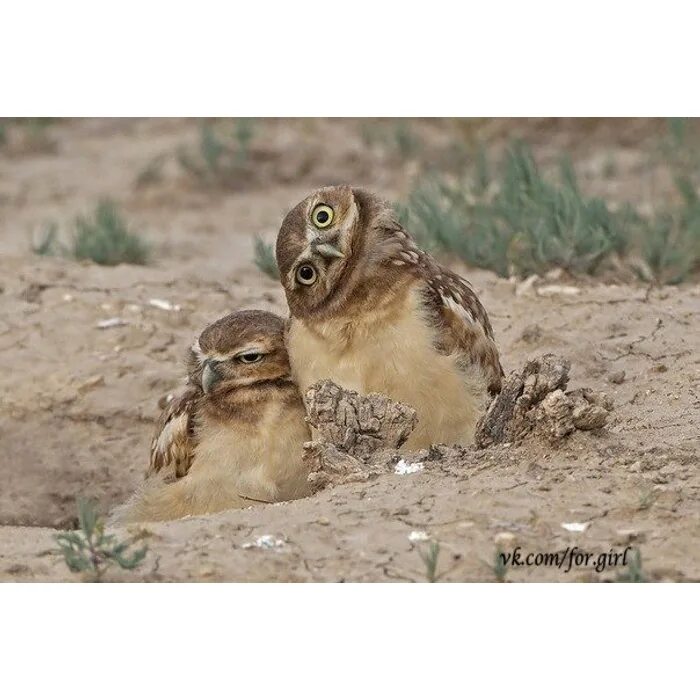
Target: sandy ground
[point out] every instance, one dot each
(77, 403)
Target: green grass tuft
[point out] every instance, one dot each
(634, 573)
(430, 560)
(89, 550)
(500, 569)
(106, 239)
(264, 258)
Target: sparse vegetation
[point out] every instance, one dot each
(500, 569)
(104, 238)
(264, 258)
(89, 550)
(634, 573)
(430, 559)
(516, 220)
(521, 224)
(222, 153)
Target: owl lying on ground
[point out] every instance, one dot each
(373, 313)
(235, 436)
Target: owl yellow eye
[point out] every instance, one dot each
(322, 216)
(306, 274)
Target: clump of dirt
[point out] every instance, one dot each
(534, 400)
(352, 429)
(359, 425)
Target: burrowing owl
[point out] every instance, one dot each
(236, 434)
(373, 312)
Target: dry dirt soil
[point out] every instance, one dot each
(78, 403)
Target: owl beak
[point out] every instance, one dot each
(327, 250)
(209, 376)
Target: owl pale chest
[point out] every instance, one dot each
(391, 350)
(263, 460)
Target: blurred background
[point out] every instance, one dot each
(607, 197)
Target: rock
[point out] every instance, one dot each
(90, 383)
(505, 540)
(526, 288)
(114, 322)
(598, 398)
(557, 290)
(330, 466)
(555, 414)
(418, 536)
(589, 417)
(617, 377)
(629, 536)
(554, 274)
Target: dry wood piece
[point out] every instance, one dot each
(329, 465)
(351, 429)
(358, 425)
(534, 400)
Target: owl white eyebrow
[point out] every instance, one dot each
(248, 349)
(223, 357)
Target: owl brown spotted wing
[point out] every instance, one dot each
(174, 439)
(459, 318)
(462, 324)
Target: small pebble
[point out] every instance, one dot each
(624, 537)
(555, 289)
(111, 323)
(617, 377)
(505, 540)
(90, 383)
(403, 467)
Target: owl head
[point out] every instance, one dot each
(330, 248)
(242, 349)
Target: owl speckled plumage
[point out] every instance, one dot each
(236, 433)
(374, 313)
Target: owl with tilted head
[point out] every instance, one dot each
(374, 313)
